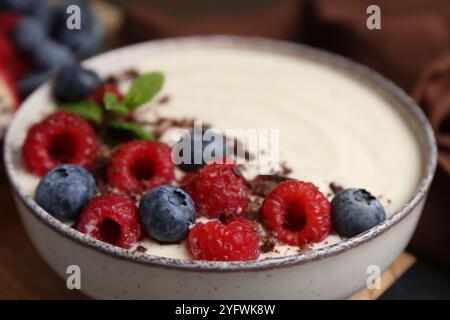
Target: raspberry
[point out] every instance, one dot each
(97, 95)
(8, 21)
(216, 241)
(7, 50)
(19, 65)
(113, 219)
(217, 191)
(62, 137)
(298, 213)
(16, 63)
(139, 166)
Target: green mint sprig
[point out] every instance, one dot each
(112, 104)
(132, 127)
(85, 109)
(142, 90)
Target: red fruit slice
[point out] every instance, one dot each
(8, 20)
(113, 219)
(62, 137)
(298, 213)
(215, 241)
(217, 191)
(139, 166)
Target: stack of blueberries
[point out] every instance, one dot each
(40, 35)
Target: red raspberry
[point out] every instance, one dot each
(216, 241)
(97, 95)
(7, 51)
(140, 166)
(19, 65)
(8, 21)
(11, 59)
(217, 191)
(113, 219)
(298, 213)
(62, 137)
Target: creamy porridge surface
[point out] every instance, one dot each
(333, 127)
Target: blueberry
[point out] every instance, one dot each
(83, 43)
(33, 79)
(197, 142)
(28, 34)
(77, 39)
(64, 191)
(50, 54)
(354, 211)
(45, 14)
(166, 213)
(75, 83)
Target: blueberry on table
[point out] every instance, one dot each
(28, 34)
(166, 213)
(203, 146)
(50, 54)
(75, 83)
(354, 211)
(45, 14)
(64, 191)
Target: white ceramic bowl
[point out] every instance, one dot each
(336, 271)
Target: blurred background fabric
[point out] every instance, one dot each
(412, 49)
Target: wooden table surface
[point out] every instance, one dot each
(23, 273)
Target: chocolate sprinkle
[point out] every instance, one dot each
(285, 170)
(141, 249)
(336, 188)
(163, 100)
(238, 148)
(261, 185)
(267, 246)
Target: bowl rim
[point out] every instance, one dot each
(277, 46)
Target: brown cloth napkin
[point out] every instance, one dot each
(413, 34)
(174, 18)
(432, 92)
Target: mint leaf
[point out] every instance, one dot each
(143, 89)
(87, 110)
(113, 105)
(132, 127)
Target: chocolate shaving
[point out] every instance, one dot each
(336, 188)
(238, 172)
(111, 80)
(285, 170)
(161, 125)
(125, 75)
(163, 100)
(267, 246)
(261, 185)
(238, 149)
(254, 208)
(130, 74)
(141, 249)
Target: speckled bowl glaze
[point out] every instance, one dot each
(333, 272)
